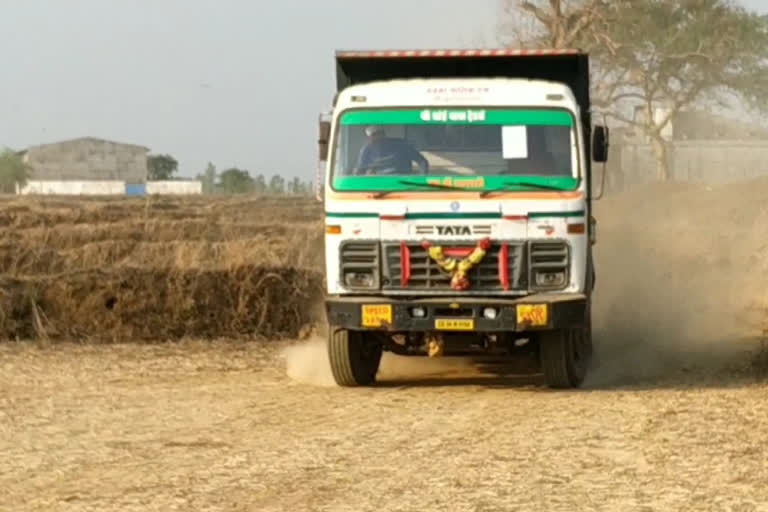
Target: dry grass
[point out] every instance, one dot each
(123, 269)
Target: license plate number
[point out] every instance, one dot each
(376, 315)
(454, 324)
(533, 315)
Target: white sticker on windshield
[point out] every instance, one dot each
(514, 142)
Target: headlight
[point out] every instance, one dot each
(359, 264)
(490, 313)
(549, 263)
(359, 280)
(550, 279)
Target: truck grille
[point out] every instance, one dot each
(425, 274)
(360, 257)
(547, 257)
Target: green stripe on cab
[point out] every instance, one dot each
(541, 215)
(451, 215)
(351, 215)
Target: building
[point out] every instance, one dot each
(88, 166)
(85, 159)
(693, 124)
(697, 125)
(701, 148)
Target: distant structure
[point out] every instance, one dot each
(92, 166)
(689, 125)
(87, 158)
(702, 148)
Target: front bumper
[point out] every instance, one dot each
(461, 313)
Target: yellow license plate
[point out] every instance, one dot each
(376, 315)
(533, 315)
(454, 324)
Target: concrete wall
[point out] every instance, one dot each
(87, 159)
(699, 161)
(108, 187)
(72, 188)
(174, 187)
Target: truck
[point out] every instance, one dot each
(458, 208)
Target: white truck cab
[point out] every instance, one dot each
(457, 208)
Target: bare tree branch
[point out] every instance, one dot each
(651, 54)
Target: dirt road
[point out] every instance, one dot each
(223, 427)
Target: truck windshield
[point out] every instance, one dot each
(475, 148)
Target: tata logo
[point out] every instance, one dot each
(454, 230)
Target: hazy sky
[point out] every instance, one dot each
(235, 82)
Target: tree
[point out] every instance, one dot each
(236, 181)
(294, 187)
(13, 171)
(209, 179)
(277, 185)
(660, 57)
(260, 184)
(556, 23)
(302, 188)
(569, 24)
(161, 167)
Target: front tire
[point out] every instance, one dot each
(564, 355)
(354, 355)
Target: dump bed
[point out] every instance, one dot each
(570, 67)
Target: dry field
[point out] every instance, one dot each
(673, 417)
(134, 270)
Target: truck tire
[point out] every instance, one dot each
(564, 355)
(354, 357)
(589, 348)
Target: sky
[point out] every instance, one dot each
(233, 82)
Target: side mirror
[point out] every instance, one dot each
(324, 134)
(600, 144)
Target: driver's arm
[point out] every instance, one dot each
(363, 160)
(417, 157)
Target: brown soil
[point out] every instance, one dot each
(220, 426)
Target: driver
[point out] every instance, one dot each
(387, 155)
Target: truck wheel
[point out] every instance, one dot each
(354, 356)
(564, 356)
(589, 348)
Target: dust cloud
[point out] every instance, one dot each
(680, 290)
(679, 274)
(307, 363)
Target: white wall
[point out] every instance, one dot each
(174, 187)
(72, 188)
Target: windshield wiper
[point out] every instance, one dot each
(422, 184)
(520, 183)
(483, 193)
